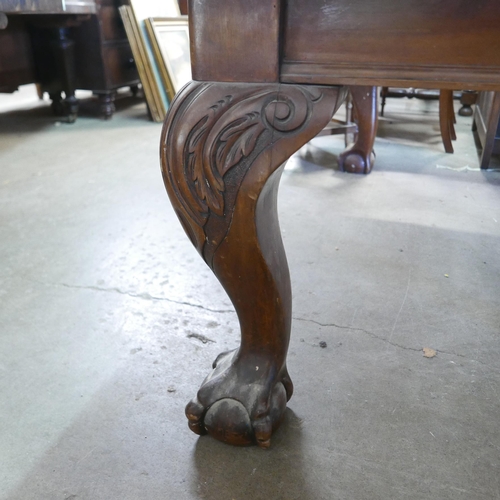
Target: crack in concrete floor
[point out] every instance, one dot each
(373, 335)
(147, 296)
(143, 296)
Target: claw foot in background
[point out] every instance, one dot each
(356, 162)
(359, 158)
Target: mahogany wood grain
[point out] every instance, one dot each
(393, 43)
(183, 7)
(239, 44)
(446, 119)
(223, 149)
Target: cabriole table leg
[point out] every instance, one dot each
(223, 150)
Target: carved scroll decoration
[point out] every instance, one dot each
(205, 137)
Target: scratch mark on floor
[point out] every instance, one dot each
(199, 337)
(402, 305)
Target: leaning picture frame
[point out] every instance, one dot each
(135, 15)
(170, 43)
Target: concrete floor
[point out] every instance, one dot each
(100, 291)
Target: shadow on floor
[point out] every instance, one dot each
(40, 116)
(226, 472)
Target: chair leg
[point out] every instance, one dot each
(445, 119)
(453, 118)
(349, 136)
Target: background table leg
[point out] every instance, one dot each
(359, 158)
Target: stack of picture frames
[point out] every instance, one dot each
(159, 39)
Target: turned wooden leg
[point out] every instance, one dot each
(468, 98)
(134, 89)
(446, 119)
(106, 104)
(223, 149)
(359, 158)
(64, 54)
(383, 94)
(350, 134)
(57, 104)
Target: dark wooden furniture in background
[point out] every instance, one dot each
(359, 158)
(487, 125)
(467, 99)
(268, 79)
(410, 93)
(183, 7)
(346, 127)
(447, 119)
(446, 112)
(16, 59)
(65, 46)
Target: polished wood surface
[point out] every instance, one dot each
(447, 119)
(223, 148)
(257, 100)
(393, 43)
(239, 44)
(183, 7)
(48, 6)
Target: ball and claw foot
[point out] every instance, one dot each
(356, 162)
(240, 402)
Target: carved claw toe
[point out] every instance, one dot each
(271, 418)
(220, 358)
(288, 385)
(263, 430)
(238, 410)
(194, 414)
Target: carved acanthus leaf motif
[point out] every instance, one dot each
(206, 182)
(209, 162)
(204, 143)
(237, 141)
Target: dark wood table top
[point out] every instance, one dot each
(406, 43)
(47, 6)
(392, 41)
